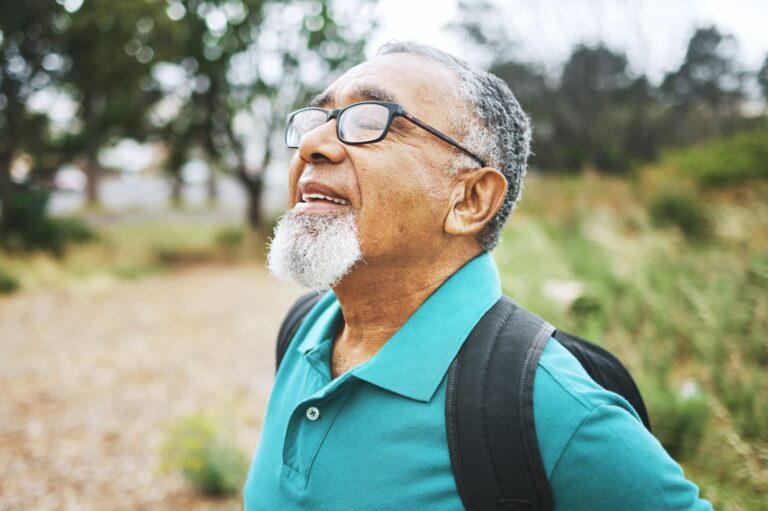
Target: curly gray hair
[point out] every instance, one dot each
(493, 127)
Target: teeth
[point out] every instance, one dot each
(308, 197)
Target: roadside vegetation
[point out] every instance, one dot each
(128, 250)
(672, 278)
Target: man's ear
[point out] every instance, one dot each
(475, 198)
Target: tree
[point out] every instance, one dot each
(706, 91)
(30, 61)
(762, 78)
(484, 28)
(249, 62)
(593, 82)
(594, 114)
(112, 46)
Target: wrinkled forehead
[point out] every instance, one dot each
(424, 87)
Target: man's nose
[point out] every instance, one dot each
(322, 145)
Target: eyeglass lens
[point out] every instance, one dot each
(359, 123)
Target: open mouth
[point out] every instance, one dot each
(316, 197)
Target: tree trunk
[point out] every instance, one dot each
(177, 187)
(212, 187)
(177, 156)
(6, 191)
(93, 175)
(254, 189)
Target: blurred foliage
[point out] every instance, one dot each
(684, 211)
(231, 238)
(202, 79)
(737, 159)
(673, 310)
(110, 49)
(197, 447)
(679, 182)
(246, 65)
(134, 250)
(679, 421)
(8, 283)
(598, 114)
(29, 228)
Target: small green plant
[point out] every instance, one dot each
(683, 211)
(197, 447)
(8, 283)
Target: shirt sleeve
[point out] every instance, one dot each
(612, 462)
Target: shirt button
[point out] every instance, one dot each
(313, 413)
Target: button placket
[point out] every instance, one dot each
(307, 428)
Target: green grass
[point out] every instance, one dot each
(688, 318)
(129, 251)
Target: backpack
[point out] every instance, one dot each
(489, 403)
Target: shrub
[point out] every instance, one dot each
(27, 227)
(679, 419)
(683, 211)
(8, 283)
(736, 159)
(196, 447)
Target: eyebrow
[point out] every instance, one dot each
(368, 92)
(321, 99)
(374, 93)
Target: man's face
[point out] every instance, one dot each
(396, 188)
(389, 199)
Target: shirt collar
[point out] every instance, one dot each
(320, 323)
(414, 360)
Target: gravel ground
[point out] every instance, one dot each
(91, 376)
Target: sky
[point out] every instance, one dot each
(653, 33)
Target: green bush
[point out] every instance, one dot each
(27, 226)
(8, 283)
(683, 211)
(679, 420)
(737, 159)
(196, 447)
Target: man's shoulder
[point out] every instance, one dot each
(562, 375)
(564, 397)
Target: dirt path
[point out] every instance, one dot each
(89, 378)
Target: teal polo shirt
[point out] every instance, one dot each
(374, 438)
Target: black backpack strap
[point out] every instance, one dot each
(292, 322)
(606, 370)
(490, 388)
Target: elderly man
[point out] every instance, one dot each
(405, 171)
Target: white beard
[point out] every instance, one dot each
(314, 250)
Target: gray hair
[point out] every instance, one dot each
(494, 127)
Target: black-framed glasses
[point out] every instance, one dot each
(366, 122)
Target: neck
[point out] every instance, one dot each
(378, 298)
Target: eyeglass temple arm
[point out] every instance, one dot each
(439, 134)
